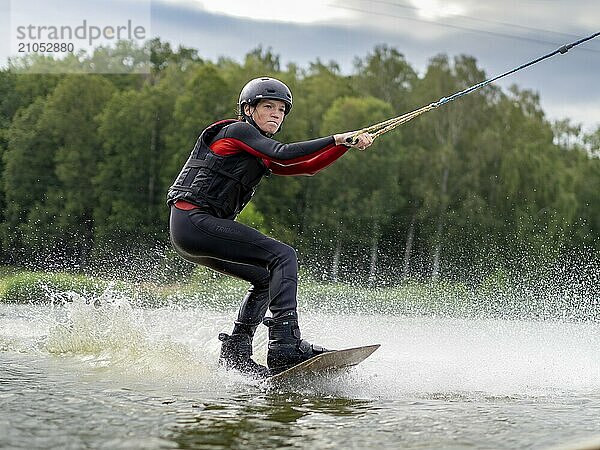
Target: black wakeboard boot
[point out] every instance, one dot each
(286, 348)
(236, 352)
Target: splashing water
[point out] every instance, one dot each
(108, 332)
(431, 377)
(418, 354)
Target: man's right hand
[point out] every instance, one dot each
(362, 141)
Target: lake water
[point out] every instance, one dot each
(116, 376)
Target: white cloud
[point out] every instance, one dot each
(436, 9)
(304, 12)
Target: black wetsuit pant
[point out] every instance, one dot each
(235, 249)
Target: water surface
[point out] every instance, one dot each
(117, 376)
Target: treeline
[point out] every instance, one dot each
(482, 184)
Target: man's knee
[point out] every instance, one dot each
(283, 255)
(288, 254)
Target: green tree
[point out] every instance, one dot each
(130, 215)
(592, 140)
(447, 172)
(387, 75)
(28, 172)
(70, 118)
(527, 185)
(8, 107)
(163, 56)
(482, 183)
(354, 199)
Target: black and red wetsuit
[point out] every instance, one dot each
(225, 166)
(299, 158)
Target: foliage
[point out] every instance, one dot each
(39, 287)
(483, 185)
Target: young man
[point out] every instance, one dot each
(219, 178)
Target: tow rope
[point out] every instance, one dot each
(383, 127)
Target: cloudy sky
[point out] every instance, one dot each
(501, 34)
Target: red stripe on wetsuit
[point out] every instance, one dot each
(302, 158)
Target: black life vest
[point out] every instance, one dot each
(223, 183)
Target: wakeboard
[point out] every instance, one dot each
(324, 365)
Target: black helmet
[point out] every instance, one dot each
(265, 87)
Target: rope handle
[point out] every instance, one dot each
(378, 129)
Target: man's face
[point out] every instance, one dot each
(268, 114)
